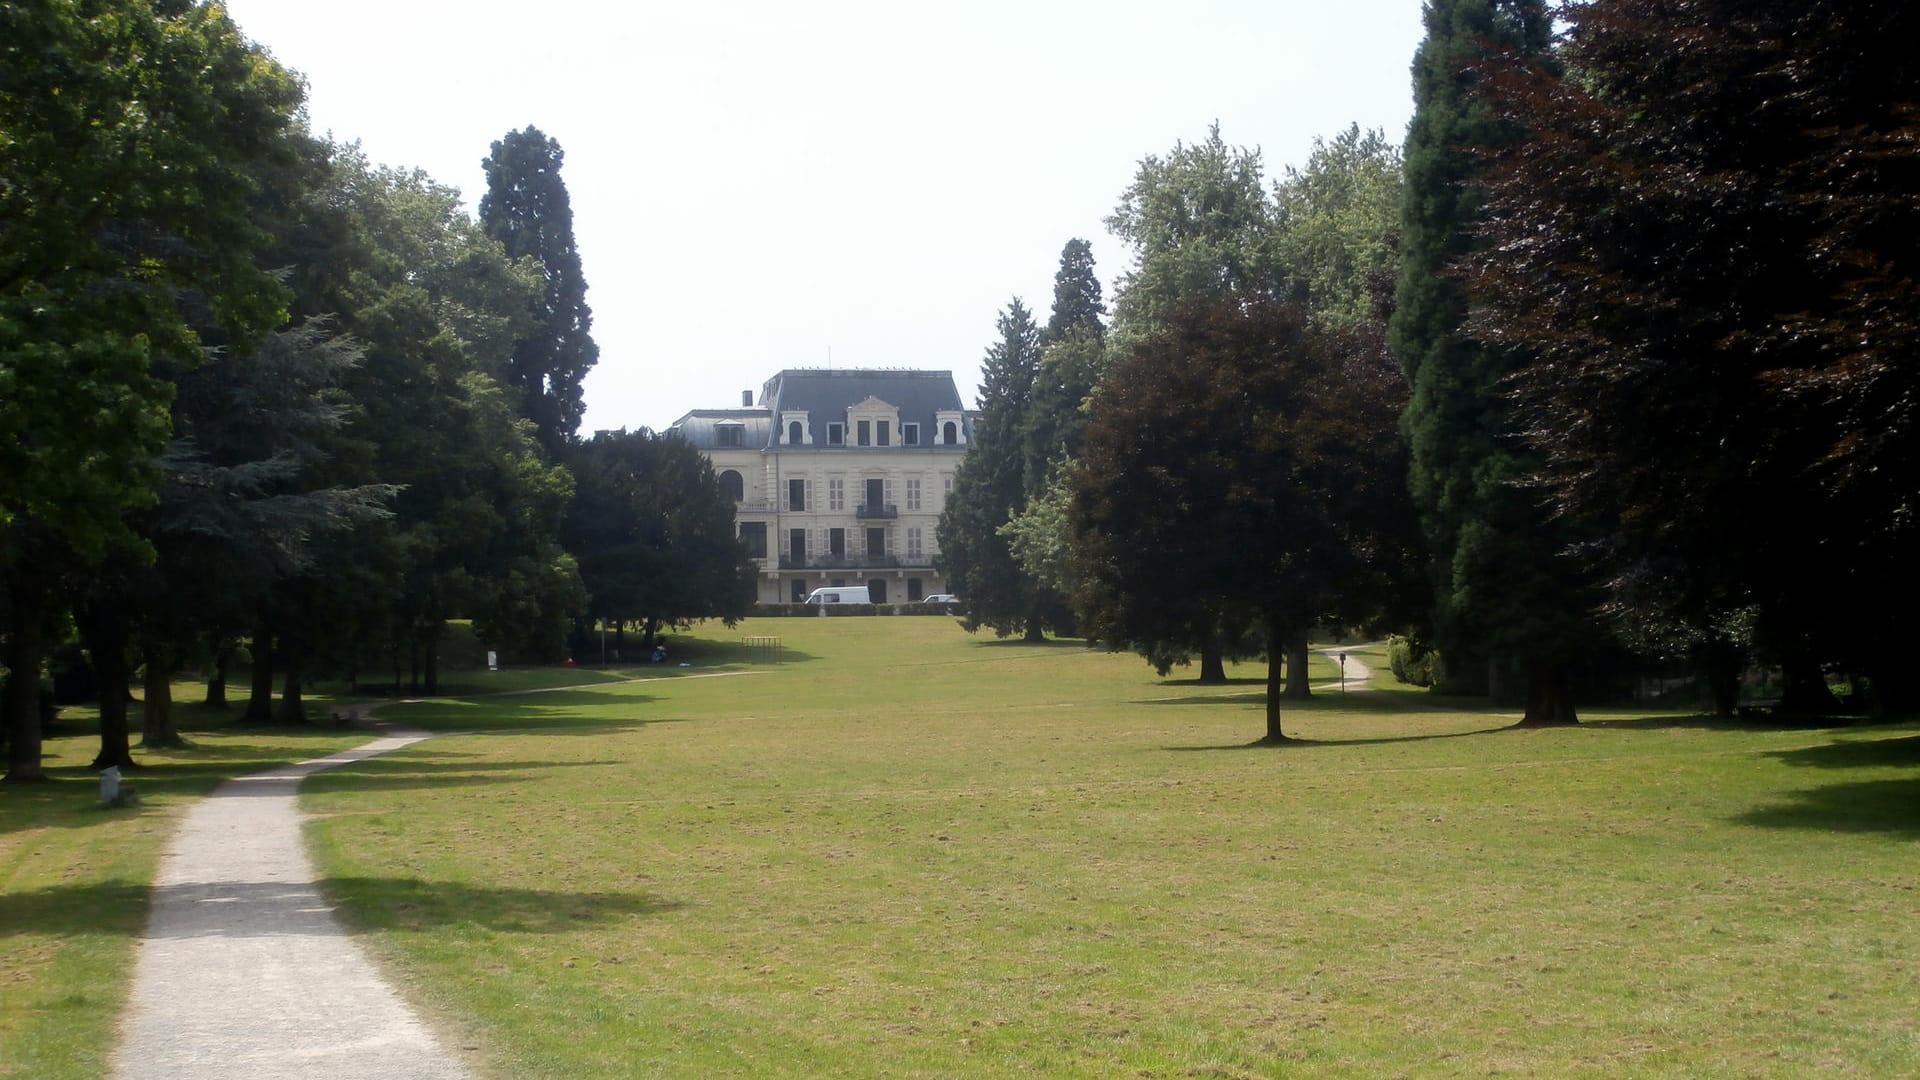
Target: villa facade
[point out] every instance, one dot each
(839, 477)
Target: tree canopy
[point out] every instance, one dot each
(1240, 472)
(1705, 245)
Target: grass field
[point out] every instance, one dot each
(907, 852)
(901, 851)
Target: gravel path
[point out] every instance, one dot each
(244, 971)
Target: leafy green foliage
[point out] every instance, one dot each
(1241, 471)
(129, 133)
(653, 533)
(1337, 226)
(1197, 220)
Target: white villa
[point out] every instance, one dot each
(839, 477)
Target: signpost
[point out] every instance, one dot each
(1343, 673)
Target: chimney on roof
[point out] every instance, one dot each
(746, 399)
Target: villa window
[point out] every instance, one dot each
(882, 435)
(836, 434)
(865, 428)
(909, 434)
(753, 534)
(727, 435)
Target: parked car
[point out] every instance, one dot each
(941, 598)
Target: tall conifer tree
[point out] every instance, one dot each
(1506, 602)
(526, 208)
(990, 487)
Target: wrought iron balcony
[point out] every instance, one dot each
(872, 511)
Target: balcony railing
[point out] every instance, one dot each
(857, 562)
(870, 511)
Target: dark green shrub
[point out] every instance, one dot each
(1412, 661)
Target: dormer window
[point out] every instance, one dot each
(836, 434)
(865, 428)
(909, 434)
(727, 433)
(949, 433)
(793, 433)
(882, 435)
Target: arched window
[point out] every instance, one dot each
(793, 433)
(950, 434)
(732, 485)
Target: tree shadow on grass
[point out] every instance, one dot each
(1710, 722)
(1291, 743)
(546, 711)
(1023, 643)
(274, 909)
(1855, 753)
(1883, 806)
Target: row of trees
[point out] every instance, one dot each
(1616, 369)
(1661, 337)
(1218, 471)
(261, 393)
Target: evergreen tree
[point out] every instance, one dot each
(990, 488)
(526, 208)
(1077, 303)
(1507, 602)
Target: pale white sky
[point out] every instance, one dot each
(766, 185)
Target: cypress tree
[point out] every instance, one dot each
(526, 208)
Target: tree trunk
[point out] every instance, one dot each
(25, 643)
(292, 709)
(1275, 656)
(1891, 689)
(1719, 664)
(1213, 668)
(156, 715)
(105, 633)
(430, 662)
(217, 682)
(260, 699)
(1298, 688)
(1549, 695)
(1036, 631)
(1803, 688)
(652, 632)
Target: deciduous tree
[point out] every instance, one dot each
(128, 136)
(1706, 247)
(1241, 470)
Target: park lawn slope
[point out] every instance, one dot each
(904, 851)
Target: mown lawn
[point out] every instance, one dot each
(903, 851)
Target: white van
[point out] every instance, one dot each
(839, 594)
